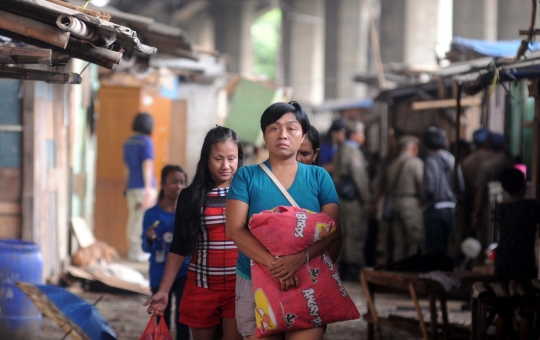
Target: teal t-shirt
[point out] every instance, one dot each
(312, 188)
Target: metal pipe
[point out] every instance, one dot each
(33, 29)
(77, 28)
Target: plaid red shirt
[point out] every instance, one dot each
(213, 264)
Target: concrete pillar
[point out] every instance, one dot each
(201, 30)
(303, 48)
(425, 27)
(232, 22)
(347, 46)
(392, 31)
(475, 19)
(513, 16)
(414, 31)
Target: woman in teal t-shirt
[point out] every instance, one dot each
(284, 127)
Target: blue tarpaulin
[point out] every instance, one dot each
(79, 311)
(501, 48)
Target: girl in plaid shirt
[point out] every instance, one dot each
(208, 303)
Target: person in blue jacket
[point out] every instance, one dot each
(158, 228)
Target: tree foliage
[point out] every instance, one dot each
(265, 37)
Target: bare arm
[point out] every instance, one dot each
(286, 266)
(159, 301)
(235, 226)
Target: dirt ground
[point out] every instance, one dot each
(128, 317)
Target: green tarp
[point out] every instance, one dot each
(249, 101)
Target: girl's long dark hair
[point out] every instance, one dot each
(167, 169)
(192, 200)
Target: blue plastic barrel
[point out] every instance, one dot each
(19, 317)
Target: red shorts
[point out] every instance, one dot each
(204, 308)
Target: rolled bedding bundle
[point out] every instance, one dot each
(284, 231)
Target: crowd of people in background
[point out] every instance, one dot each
(423, 200)
(420, 199)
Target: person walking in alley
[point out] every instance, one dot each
(158, 229)
(439, 197)
(405, 177)
(284, 126)
(208, 303)
(353, 187)
(140, 187)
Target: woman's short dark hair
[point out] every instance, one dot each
(275, 111)
(143, 123)
(512, 180)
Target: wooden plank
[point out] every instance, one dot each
(178, 133)
(62, 187)
(418, 311)
(10, 227)
(9, 208)
(397, 280)
(33, 29)
(445, 103)
(160, 109)
(25, 55)
(10, 185)
(369, 297)
(28, 74)
(29, 170)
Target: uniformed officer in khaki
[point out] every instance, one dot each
(407, 173)
(350, 164)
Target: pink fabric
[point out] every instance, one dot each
(287, 231)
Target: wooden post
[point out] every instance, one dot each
(433, 314)
(534, 91)
(30, 177)
(418, 311)
(458, 132)
(371, 307)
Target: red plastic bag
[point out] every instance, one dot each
(155, 330)
(286, 231)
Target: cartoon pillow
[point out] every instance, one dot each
(287, 231)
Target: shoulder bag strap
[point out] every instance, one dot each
(279, 185)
